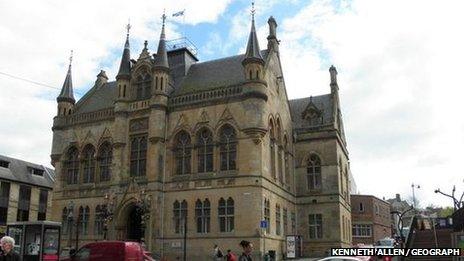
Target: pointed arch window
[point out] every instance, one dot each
(99, 215)
(104, 161)
(313, 172)
(83, 221)
(228, 147)
(138, 156)
(88, 163)
(72, 166)
(267, 214)
(143, 86)
(205, 148)
(278, 220)
(203, 216)
(183, 153)
(272, 146)
(226, 215)
(180, 216)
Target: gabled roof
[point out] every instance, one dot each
(322, 102)
(18, 171)
(97, 98)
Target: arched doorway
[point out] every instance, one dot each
(134, 224)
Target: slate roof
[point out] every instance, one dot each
(124, 67)
(214, 74)
(17, 171)
(322, 102)
(97, 98)
(66, 93)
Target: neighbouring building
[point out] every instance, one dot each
(371, 219)
(209, 149)
(25, 191)
(403, 208)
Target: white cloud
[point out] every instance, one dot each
(398, 64)
(37, 38)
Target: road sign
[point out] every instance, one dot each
(263, 224)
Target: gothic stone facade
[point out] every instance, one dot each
(216, 142)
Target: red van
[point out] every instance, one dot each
(110, 251)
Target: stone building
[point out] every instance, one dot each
(371, 219)
(25, 191)
(210, 148)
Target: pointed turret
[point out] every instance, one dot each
(337, 114)
(161, 60)
(333, 79)
(124, 74)
(253, 60)
(66, 98)
(272, 42)
(161, 66)
(125, 66)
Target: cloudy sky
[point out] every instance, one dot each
(398, 64)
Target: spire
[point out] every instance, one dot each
(124, 68)
(252, 50)
(161, 60)
(66, 94)
(333, 79)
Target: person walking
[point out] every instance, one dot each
(230, 256)
(8, 254)
(217, 253)
(247, 248)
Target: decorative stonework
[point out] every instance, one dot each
(137, 125)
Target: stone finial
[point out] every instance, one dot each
(333, 75)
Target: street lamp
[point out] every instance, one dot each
(413, 186)
(70, 217)
(457, 204)
(107, 212)
(400, 225)
(143, 206)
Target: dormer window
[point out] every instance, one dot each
(4, 164)
(35, 171)
(313, 116)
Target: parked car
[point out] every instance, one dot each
(110, 251)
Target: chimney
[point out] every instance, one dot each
(398, 198)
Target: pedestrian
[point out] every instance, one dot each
(9, 254)
(217, 253)
(247, 248)
(230, 256)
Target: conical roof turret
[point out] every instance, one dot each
(125, 66)
(66, 94)
(161, 60)
(253, 52)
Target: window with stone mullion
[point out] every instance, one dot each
(138, 156)
(267, 215)
(64, 221)
(203, 216)
(105, 160)
(89, 165)
(278, 220)
(313, 172)
(205, 151)
(226, 215)
(72, 166)
(180, 216)
(99, 220)
(182, 153)
(315, 226)
(228, 148)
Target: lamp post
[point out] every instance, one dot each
(144, 206)
(400, 225)
(70, 217)
(413, 186)
(107, 212)
(457, 204)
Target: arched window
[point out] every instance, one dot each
(88, 164)
(267, 214)
(226, 215)
(64, 221)
(83, 220)
(143, 86)
(272, 145)
(286, 160)
(72, 166)
(342, 187)
(104, 161)
(228, 147)
(203, 216)
(205, 150)
(347, 184)
(183, 153)
(313, 172)
(138, 156)
(99, 215)
(180, 216)
(278, 220)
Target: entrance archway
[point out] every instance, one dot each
(134, 224)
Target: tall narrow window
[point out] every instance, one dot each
(99, 220)
(272, 145)
(180, 216)
(285, 218)
(286, 160)
(4, 202)
(143, 86)
(104, 161)
(278, 220)
(72, 166)
(138, 156)
(228, 147)
(315, 226)
(24, 203)
(64, 221)
(88, 164)
(84, 214)
(183, 153)
(293, 220)
(203, 216)
(313, 171)
(267, 215)
(226, 215)
(205, 150)
(43, 200)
